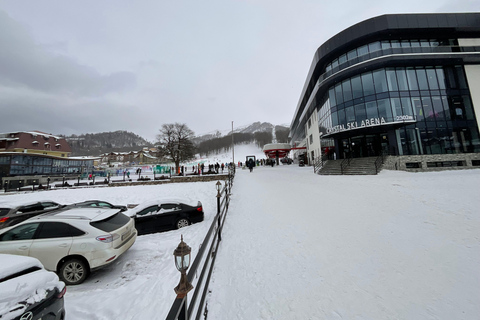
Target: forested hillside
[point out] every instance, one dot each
(94, 144)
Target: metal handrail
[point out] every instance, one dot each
(345, 163)
(211, 241)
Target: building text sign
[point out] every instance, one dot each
(372, 122)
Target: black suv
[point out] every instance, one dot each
(11, 215)
(28, 290)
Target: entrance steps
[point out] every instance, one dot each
(357, 166)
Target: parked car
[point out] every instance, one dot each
(72, 242)
(28, 291)
(11, 214)
(162, 215)
(97, 204)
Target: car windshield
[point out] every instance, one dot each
(112, 223)
(4, 211)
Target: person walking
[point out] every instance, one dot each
(250, 164)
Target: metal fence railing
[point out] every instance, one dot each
(204, 261)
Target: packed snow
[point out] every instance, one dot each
(297, 245)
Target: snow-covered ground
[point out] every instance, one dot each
(393, 246)
(302, 246)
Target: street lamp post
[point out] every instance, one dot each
(182, 262)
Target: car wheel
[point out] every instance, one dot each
(182, 223)
(73, 271)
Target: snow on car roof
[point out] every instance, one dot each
(18, 203)
(143, 205)
(11, 264)
(94, 214)
(24, 290)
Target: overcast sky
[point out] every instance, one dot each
(72, 67)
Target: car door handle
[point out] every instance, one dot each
(23, 248)
(64, 245)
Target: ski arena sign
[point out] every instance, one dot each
(372, 122)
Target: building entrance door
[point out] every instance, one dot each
(365, 146)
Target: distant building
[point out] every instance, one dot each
(37, 154)
(34, 142)
(145, 156)
(404, 86)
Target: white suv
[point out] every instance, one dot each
(72, 242)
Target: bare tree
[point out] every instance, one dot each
(174, 142)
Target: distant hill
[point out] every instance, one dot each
(94, 144)
(258, 132)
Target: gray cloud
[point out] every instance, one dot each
(27, 64)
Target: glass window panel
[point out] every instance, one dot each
(395, 44)
(428, 109)
(347, 90)
(338, 93)
(350, 114)
(341, 116)
(461, 77)
(434, 141)
(331, 97)
(444, 137)
(396, 108)
(352, 54)
(441, 78)
(405, 43)
(422, 79)
(357, 89)
(385, 44)
(372, 111)
(402, 79)
(329, 67)
(446, 109)
(468, 108)
(432, 79)
(367, 82)
(360, 112)
(450, 77)
(362, 50)
(334, 118)
(424, 141)
(414, 43)
(438, 107)
(380, 81)
(412, 79)
(384, 109)
(334, 63)
(391, 80)
(417, 108)
(424, 43)
(374, 46)
(342, 59)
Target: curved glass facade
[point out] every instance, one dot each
(428, 107)
(395, 84)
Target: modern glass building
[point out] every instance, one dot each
(401, 84)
